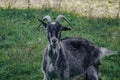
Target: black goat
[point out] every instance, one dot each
(69, 57)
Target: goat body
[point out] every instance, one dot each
(69, 57)
(72, 57)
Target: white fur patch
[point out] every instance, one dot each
(106, 52)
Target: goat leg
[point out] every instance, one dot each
(46, 77)
(65, 75)
(92, 74)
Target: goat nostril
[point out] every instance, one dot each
(54, 40)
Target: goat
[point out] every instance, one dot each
(69, 57)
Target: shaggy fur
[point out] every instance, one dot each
(69, 57)
(73, 57)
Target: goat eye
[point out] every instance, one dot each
(50, 33)
(57, 33)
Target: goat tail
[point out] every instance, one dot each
(107, 52)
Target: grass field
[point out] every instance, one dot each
(22, 46)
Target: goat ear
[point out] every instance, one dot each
(64, 28)
(42, 22)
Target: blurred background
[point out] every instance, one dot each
(95, 8)
(22, 44)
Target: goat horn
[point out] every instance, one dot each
(62, 17)
(47, 17)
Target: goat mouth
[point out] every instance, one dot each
(54, 45)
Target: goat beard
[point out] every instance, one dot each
(54, 46)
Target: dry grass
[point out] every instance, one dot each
(92, 8)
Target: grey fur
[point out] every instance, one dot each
(69, 57)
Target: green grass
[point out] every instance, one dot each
(22, 47)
